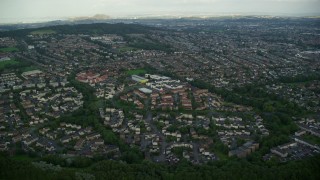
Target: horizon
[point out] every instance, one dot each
(13, 11)
(150, 16)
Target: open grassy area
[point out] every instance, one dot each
(9, 49)
(43, 31)
(124, 105)
(221, 156)
(23, 158)
(29, 68)
(136, 71)
(10, 62)
(126, 48)
(311, 139)
(17, 65)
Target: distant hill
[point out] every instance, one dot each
(95, 28)
(95, 17)
(150, 20)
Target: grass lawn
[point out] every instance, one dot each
(220, 155)
(311, 139)
(99, 103)
(136, 71)
(127, 48)
(4, 63)
(29, 68)
(9, 49)
(23, 158)
(43, 31)
(124, 105)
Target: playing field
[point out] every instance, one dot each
(9, 49)
(4, 63)
(136, 71)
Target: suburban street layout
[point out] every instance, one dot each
(157, 96)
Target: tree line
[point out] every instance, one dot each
(109, 169)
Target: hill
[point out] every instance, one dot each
(96, 28)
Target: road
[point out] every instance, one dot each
(164, 144)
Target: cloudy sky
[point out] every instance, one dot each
(41, 10)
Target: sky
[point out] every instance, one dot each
(12, 11)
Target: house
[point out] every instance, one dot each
(17, 138)
(300, 133)
(145, 90)
(79, 144)
(3, 146)
(30, 140)
(244, 150)
(99, 141)
(93, 136)
(280, 152)
(66, 139)
(33, 73)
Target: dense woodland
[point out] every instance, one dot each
(108, 169)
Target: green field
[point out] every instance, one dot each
(10, 62)
(23, 158)
(136, 71)
(311, 139)
(42, 32)
(29, 68)
(127, 48)
(9, 49)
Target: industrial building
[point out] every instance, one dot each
(139, 79)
